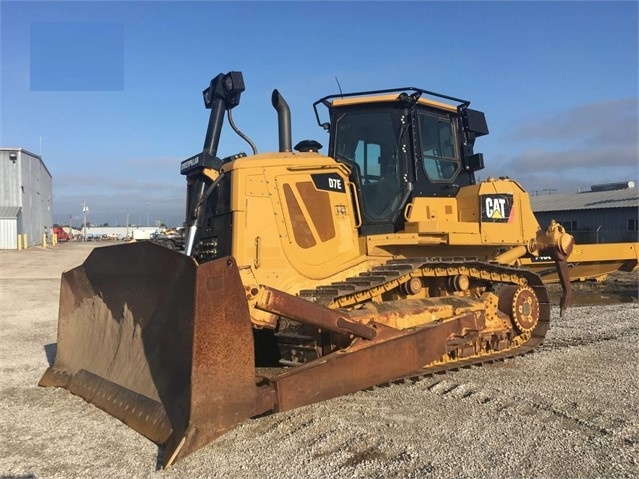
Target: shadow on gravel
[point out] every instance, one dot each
(619, 287)
(160, 458)
(50, 350)
(604, 300)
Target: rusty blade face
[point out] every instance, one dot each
(223, 390)
(125, 333)
(142, 334)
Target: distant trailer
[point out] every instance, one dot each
(141, 235)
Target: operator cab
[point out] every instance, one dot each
(400, 146)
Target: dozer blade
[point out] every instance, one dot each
(157, 341)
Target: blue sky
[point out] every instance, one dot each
(110, 92)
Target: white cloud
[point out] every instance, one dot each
(575, 148)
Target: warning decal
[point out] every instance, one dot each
(496, 208)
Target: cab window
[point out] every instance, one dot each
(439, 148)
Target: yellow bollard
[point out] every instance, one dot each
(54, 239)
(19, 242)
(25, 243)
(44, 240)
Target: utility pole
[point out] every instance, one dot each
(147, 213)
(85, 210)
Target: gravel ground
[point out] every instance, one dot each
(571, 409)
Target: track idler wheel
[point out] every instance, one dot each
(522, 305)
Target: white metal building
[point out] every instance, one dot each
(26, 197)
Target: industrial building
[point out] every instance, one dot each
(608, 213)
(26, 198)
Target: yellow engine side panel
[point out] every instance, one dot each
(295, 218)
(317, 226)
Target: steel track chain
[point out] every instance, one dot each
(391, 274)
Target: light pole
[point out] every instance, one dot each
(85, 210)
(147, 213)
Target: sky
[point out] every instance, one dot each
(110, 93)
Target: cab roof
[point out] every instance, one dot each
(359, 100)
(405, 94)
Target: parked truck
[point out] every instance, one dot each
(61, 235)
(171, 239)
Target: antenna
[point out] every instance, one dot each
(339, 86)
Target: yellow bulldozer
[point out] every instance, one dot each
(308, 276)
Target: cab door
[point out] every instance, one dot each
(372, 142)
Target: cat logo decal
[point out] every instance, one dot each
(497, 208)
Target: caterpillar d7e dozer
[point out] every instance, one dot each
(305, 276)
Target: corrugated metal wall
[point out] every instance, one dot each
(10, 179)
(609, 225)
(26, 182)
(8, 233)
(37, 198)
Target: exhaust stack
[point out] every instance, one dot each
(283, 121)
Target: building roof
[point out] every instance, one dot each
(9, 212)
(22, 150)
(588, 200)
